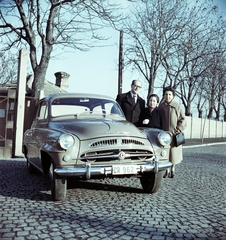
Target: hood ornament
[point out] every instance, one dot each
(121, 155)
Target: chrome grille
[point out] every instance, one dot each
(131, 141)
(114, 141)
(104, 143)
(112, 155)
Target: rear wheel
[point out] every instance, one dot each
(58, 185)
(151, 182)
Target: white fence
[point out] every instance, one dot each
(204, 128)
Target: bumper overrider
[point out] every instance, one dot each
(88, 170)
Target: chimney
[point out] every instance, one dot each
(62, 80)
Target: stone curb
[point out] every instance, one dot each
(204, 145)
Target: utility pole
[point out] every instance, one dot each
(120, 63)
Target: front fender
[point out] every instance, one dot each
(43, 139)
(153, 136)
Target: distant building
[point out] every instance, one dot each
(7, 109)
(61, 84)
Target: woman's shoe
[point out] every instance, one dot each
(166, 174)
(172, 174)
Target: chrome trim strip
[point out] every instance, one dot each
(156, 165)
(116, 156)
(88, 170)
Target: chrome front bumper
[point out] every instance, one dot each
(88, 170)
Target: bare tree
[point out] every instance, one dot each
(218, 73)
(42, 26)
(224, 105)
(201, 99)
(8, 68)
(152, 29)
(194, 55)
(174, 40)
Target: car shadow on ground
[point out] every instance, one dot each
(16, 182)
(105, 185)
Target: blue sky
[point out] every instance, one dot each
(96, 71)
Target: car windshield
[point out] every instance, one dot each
(85, 107)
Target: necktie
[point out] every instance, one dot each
(135, 98)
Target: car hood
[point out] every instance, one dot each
(84, 129)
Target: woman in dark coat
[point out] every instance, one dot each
(175, 123)
(152, 116)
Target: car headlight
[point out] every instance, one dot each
(66, 141)
(165, 138)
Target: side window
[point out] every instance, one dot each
(42, 113)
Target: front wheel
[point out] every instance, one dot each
(151, 182)
(31, 169)
(58, 185)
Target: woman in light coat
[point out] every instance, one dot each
(175, 123)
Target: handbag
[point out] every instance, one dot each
(179, 139)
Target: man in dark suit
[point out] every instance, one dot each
(131, 103)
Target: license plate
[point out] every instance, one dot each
(126, 169)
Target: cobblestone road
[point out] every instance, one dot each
(190, 206)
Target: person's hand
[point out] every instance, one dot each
(146, 121)
(176, 131)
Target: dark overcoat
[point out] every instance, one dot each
(131, 109)
(156, 118)
(175, 122)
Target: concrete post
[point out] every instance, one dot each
(20, 104)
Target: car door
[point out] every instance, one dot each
(37, 135)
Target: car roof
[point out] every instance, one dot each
(70, 95)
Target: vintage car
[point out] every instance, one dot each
(87, 136)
